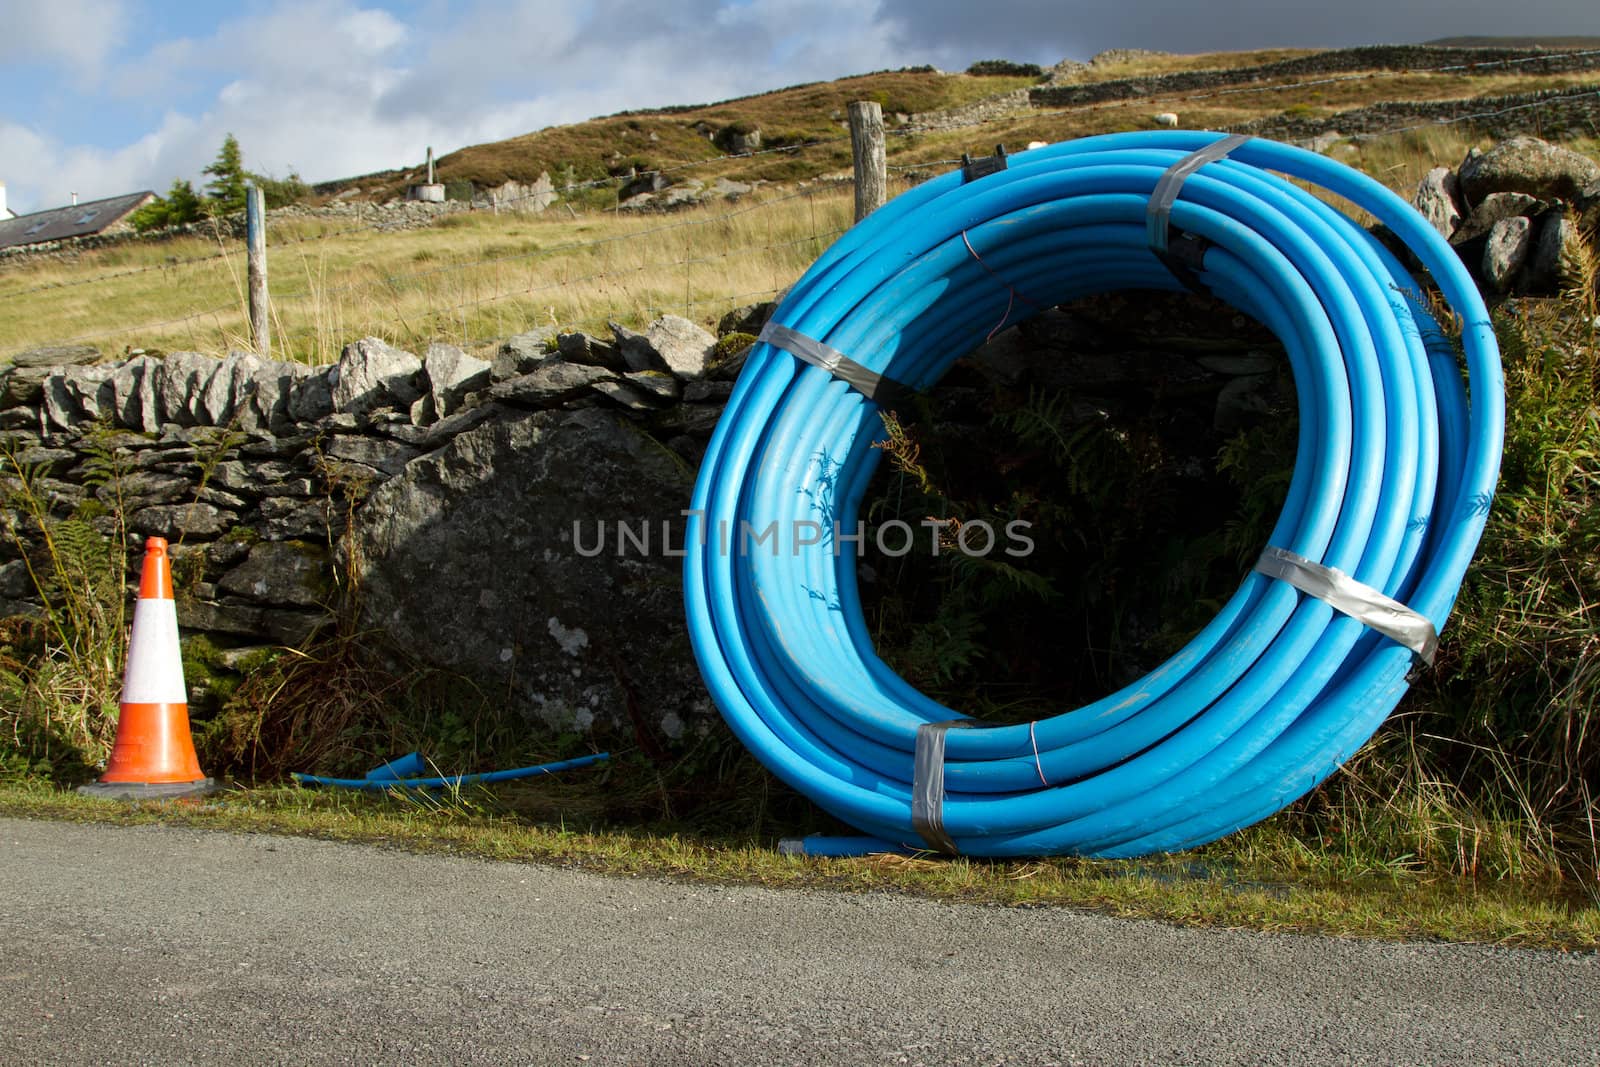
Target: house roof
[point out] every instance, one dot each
(91, 216)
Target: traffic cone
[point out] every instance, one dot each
(153, 756)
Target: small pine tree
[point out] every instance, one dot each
(181, 204)
(226, 188)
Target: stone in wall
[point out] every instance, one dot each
(486, 557)
(372, 373)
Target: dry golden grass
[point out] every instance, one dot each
(1146, 66)
(476, 277)
(469, 279)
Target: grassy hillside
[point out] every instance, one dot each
(812, 118)
(477, 277)
(664, 138)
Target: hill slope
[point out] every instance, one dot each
(800, 132)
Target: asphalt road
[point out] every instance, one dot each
(157, 945)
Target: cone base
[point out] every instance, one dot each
(149, 790)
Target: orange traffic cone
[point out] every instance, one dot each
(153, 756)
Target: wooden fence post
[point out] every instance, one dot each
(867, 148)
(256, 240)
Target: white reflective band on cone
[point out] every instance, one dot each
(154, 673)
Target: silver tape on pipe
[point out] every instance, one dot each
(1356, 599)
(1158, 215)
(868, 383)
(927, 784)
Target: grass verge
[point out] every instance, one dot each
(1254, 880)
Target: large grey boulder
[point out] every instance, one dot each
(374, 374)
(526, 197)
(269, 386)
(1526, 165)
(1507, 250)
(496, 556)
(683, 346)
(1438, 200)
(452, 374)
(134, 394)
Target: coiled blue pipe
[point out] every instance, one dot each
(1394, 475)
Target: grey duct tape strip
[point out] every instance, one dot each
(1359, 601)
(927, 784)
(868, 383)
(1184, 255)
(1158, 215)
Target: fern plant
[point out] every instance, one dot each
(61, 706)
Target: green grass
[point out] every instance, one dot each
(1264, 879)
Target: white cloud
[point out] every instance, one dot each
(365, 91)
(79, 32)
(42, 172)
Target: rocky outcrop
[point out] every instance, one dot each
(1526, 165)
(525, 197)
(1516, 213)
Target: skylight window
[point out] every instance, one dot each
(88, 217)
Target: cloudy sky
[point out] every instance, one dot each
(104, 97)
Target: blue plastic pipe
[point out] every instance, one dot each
(411, 765)
(375, 779)
(1395, 470)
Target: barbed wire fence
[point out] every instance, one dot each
(484, 281)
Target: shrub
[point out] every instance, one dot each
(180, 206)
(990, 68)
(281, 192)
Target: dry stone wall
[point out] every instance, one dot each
(439, 497)
(1472, 61)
